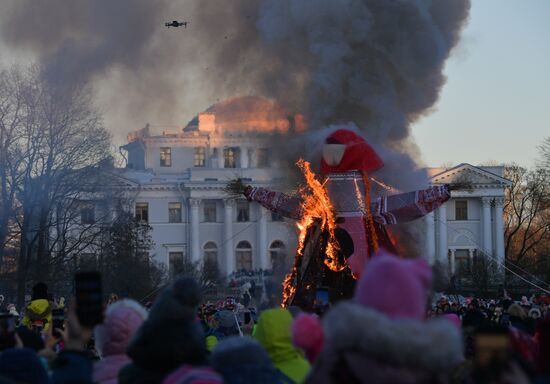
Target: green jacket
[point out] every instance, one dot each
(273, 332)
(38, 310)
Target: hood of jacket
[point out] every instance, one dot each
(122, 320)
(274, 334)
(106, 370)
(165, 345)
(38, 309)
(365, 336)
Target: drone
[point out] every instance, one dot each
(176, 24)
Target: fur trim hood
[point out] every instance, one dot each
(434, 345)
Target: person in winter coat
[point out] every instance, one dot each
(194, 375)
(38, 314)
(23, 366)
(242, 360)
(169, 338)
(382, 335)
(122, 320)
(518, 318)
(273, 333)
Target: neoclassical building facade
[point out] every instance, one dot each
(471, 223)
(178, 183)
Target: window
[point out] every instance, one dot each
(276, 217)
(243, 211)
(463, 265)
(209, 210)
(166, 157)
(200, 156)
(243, 256)
(230, 157)
(210, 265)
(87, 213)
(461, 210)
(262, 158)
(277, 254)
(174, 212)
(211, 253)
(142, 212)
(175, 260)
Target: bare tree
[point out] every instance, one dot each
(483, 274)
(527, 217)
(544, 155)
(53, 143)
(206, 274)
(11, 116)
(125, 261)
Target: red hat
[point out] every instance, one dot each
(358, 155)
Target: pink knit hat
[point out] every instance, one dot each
(307, 334)
(122, 319)
(454, 319)
(396, 287)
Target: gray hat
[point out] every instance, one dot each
(226, 319)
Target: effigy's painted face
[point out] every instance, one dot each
(333, 153)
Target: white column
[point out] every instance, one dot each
(487, 227)
(430, 238)
(442, 223)
(499, 232)
(244, 157)
(261, 233)
(452, 262)
(252, 160)
(471, 256)
(194, 228)
(229, 252)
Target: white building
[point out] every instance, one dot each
(178, 181)
(471, 223)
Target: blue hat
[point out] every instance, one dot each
(242, 360)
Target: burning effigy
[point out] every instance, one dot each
(340, 226)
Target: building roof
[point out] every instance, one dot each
(471, 173)
(242, 114)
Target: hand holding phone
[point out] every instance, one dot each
(58, 322)
(89, 298)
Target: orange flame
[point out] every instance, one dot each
(369, 221)
(316, 207)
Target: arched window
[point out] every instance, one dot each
(210, 260)
(211, 253)
(277, 254)
(243, 256)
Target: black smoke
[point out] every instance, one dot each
(376, 63)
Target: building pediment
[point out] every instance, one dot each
(469, 174)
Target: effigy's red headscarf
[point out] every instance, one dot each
(358, 155)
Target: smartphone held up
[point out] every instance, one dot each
(89, 298)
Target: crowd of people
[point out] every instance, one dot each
(386, 334)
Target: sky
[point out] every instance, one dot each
(495, 106)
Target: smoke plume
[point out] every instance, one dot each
(374, 62)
